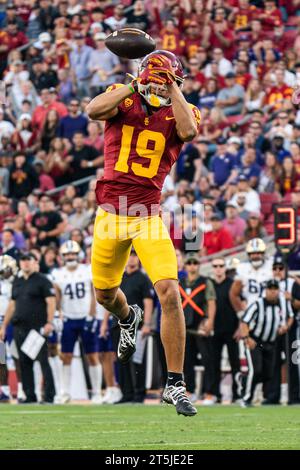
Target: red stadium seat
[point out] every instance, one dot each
(269, 225)
(267, 201)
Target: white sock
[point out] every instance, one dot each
(37, 372)
(66, 380)
(96, 379)
(20, 392)
(55, 364)
(6, 390)
(284, 393)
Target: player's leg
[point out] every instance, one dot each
(107, 358)
(55, 364)
(89, 336)
(157, 255)
(110, 253)
(4, 387)
(255, 367)
(69, 337)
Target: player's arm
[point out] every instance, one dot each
(7, 318)
(235, 296)
(148, 309)
(105, 106)
(58, 297)
(92, 312)
(184, 116)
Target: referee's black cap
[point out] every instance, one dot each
(278, 260)
(272, 283)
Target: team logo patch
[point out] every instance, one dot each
(128, 102)
(146, 121)
(196, 113)
(156, 61)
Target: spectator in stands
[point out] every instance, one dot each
(23, 178)
(79, 59)
(8, 246)
(254, 96)
(104, 66)
(73, 122)
(252, 202)
(234, 223)
(95, 136)
(80, 218)
(230, 98)
(255, 228)
(218, 239)
(83, 158)
(47, 224)
(222, 165)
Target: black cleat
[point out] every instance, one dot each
(176, 395)
(127, 341)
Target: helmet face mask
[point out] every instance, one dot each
(8, 268)
(157, 95)
(70, 253)
(256, 249)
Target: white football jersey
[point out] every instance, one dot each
(76, 290)
(5, 297)
(254, 280)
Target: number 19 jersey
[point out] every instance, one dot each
(75, 287)
(139, 151)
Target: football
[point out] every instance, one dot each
(130, 43)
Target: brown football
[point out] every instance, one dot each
(130, 43)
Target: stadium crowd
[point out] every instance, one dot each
(242, 62)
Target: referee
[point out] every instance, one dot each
(274, 389)
(261, 323)
(32, 308)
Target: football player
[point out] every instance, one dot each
(8, 270)
(251, 276)
(76, 300)
(147, 122)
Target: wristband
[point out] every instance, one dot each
(90, 164)
(131, 88)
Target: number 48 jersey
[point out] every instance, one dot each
(76, 290)
(254, 280)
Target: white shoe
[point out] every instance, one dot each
(209, 401)
(65, 398)
(97, 400)
(112, 395)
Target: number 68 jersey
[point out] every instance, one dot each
(76, 290)
(139, 151)
(253, 280)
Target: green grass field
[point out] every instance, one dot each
(147, 427)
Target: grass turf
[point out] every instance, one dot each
(147, 427)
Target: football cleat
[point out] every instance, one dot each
(246, 404)
(176, 395)
(128, 333)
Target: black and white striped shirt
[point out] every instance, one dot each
(265, 318)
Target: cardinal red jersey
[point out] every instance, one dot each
(139, 151)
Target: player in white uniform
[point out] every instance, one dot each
(251, 277)
(76, 300)
(8, 270)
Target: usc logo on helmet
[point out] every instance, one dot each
(128, 102)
